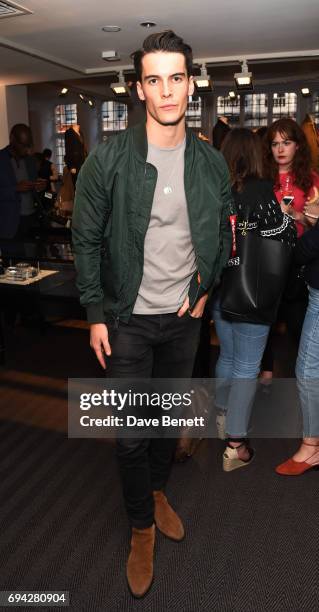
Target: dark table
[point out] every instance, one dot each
(56, 294)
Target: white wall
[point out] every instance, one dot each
(13, 109)
(17, 105)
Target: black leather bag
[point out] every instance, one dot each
(253, 282)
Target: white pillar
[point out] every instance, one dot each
(13, 109)
(17, 105)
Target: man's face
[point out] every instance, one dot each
(21, 144)
(165, 86)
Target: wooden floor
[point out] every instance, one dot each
(34, 400)
(39, 363)
(35, 376)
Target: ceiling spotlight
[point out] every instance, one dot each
(63, 91)
(111, 28)
(91, 103)
(121, 89)
(148, 24)
(110, 56)
(82, 97)
(306, 92)
(203, 82)
(232, 95)
(244, 79)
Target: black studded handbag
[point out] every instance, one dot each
(255, 277)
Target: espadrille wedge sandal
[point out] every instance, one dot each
(231, 460)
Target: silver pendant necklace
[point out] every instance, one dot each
(167, 190)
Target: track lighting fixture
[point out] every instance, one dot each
(120, 89)
(203, 82)
(244, 79)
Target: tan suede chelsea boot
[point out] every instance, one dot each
(139, 569)
(166, 519)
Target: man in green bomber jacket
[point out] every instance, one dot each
(151, 235)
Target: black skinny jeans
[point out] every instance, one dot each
(149, 346)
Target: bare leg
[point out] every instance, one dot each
(308, 451)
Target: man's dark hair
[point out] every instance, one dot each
(166, 41)
(47, 153)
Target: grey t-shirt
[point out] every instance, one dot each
(27, 202)
(169, 257)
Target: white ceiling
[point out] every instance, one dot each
(62, 39)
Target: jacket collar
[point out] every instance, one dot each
(140, 140)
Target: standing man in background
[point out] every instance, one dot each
(151, 235)
(220, 131)
(75, 150)
(18, 185)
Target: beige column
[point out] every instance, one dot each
(13, 109)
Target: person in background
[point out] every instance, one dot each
(267, 363)
(19, 185)
(75, 150)
(242, 343)
(261, 132)
(48, 170)
(288, 165)
(220, 131)
(65, 198)
(309, 129)
(307, 366)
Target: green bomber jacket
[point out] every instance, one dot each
(114, 196)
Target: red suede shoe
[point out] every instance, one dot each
(296, 468)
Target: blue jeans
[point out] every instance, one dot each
(307, 367)
(241, 349)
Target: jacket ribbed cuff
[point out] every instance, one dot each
(95, 312)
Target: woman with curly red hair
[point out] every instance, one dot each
(288, 165)
(287, 162)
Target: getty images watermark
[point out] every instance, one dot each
(125, 407)
(132, 400)
(197, 408)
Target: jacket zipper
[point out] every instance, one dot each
(123, 294)
(196, 256)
